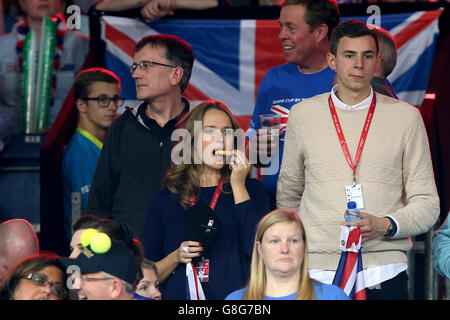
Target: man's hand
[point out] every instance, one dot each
(371, 226)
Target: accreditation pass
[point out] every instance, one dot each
(354, 192)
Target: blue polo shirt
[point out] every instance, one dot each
(282, 87)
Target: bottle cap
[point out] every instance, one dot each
(351, 205)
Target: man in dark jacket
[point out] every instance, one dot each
(136, 152)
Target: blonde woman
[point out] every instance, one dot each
(219, 184)
(279, 268)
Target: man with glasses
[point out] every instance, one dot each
(110, 275)
(97, 97)
(137, 149)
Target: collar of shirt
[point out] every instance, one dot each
(91, 138)
(149, 122)
(359, 106)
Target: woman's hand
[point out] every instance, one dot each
(184, 254)
(239, 166)
(189, 250)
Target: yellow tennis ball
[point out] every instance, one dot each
(100, 243)
(86, 236)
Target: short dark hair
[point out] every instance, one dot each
(178, 52)
(318, 12)
(86, 221)
(115, 230)
(352, 29)
(87, 77)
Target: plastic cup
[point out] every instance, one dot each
(270, 125)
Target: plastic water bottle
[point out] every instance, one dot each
(352, 213)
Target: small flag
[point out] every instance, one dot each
(349, 274)
(194, 286)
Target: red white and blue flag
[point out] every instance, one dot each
(349, 274)
(194, 289)
(232, 56)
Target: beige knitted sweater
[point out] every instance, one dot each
(395, 159)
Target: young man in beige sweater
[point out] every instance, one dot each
(354, 139)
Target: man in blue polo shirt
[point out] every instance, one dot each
(305, 29)
(97, 97)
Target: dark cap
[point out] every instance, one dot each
(117, 261)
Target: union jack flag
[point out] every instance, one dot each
(284, 113)
(349, 274)
(232, 56)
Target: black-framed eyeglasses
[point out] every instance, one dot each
(56, 287)
(146, 64)
(104, 101)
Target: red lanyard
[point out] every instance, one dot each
(341, 137)
(215, 197)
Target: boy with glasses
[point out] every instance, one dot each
(137, 149)
(97, 97)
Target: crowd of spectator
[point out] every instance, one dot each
(142, 226)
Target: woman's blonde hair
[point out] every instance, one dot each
(183, 179)
(258, 277)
